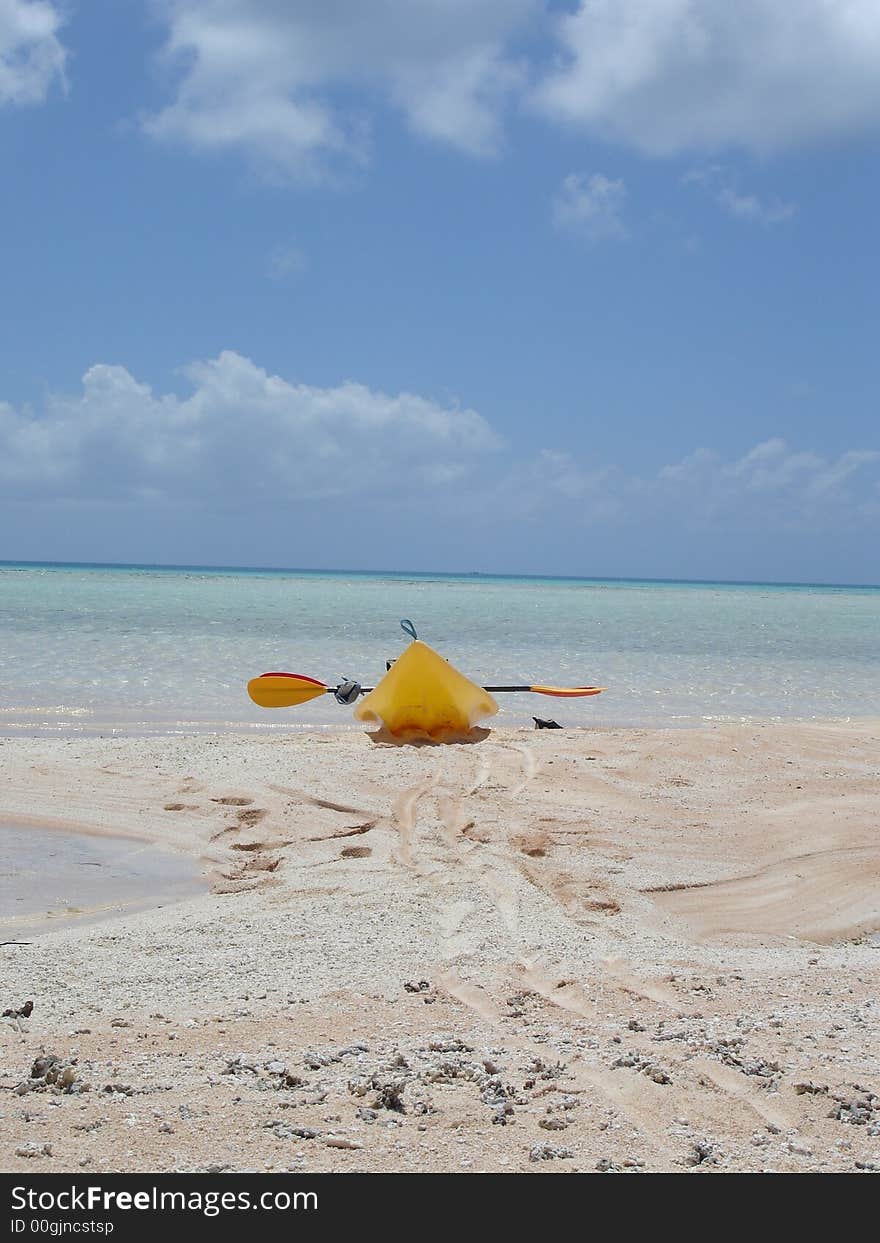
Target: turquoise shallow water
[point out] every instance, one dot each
(100, 648)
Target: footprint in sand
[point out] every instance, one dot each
(254, 870)
(327, 804)
(247, 818)
(356, 852)
(734, 1083)
(451, 918)
(262, 863)
(651, 990)
(529, 769)
(452, 819)
(353, 830)
(534, 844)
(505, 898)
(474, 996)
(556, 987)
(189, 785)
(405, 816)
(579, 898)
(252, 815)
(482, 775)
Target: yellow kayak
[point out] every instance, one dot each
(422, 692)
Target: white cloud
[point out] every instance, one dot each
(591, 206)
(750, 207)
(241, 434)
(31, 55)
(667, 76)
(773, 485)
(257, 76)
(247, 440)
(286, 261)
(772, 488)
(555, 481)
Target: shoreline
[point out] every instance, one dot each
(683, 923)
(195, 729)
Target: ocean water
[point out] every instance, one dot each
(132, 649)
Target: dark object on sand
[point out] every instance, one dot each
(23, 1012)
(539, 724)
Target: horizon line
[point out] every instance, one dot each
(380, 573)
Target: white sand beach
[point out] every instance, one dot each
(544, 951)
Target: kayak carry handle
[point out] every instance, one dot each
(407, 627)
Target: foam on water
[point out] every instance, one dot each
(133, 649)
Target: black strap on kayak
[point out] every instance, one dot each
(407, 627)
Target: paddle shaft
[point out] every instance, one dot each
(493, 690)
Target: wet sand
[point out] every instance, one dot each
(629, 949)
(51, 879)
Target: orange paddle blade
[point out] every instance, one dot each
(568, 692)
(284, 690)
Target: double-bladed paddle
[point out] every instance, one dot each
(287, 690)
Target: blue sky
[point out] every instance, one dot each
(501, 285)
